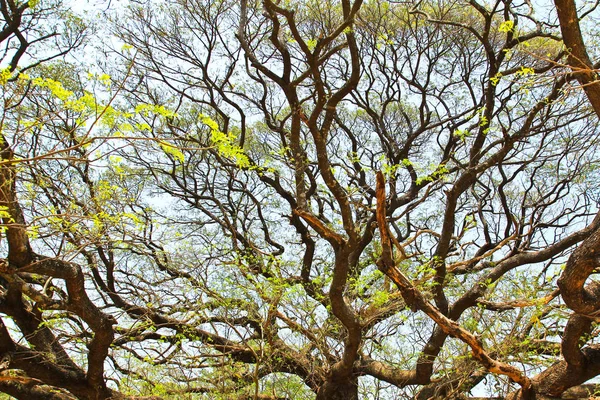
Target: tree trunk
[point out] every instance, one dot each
(339, 389)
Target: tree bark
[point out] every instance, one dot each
(339, 388)
(578, 58)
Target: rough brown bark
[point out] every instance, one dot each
(582, 298)
(578, 58)
(345, 388)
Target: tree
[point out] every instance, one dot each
(34, 32)
(578, 57)
(317, 199)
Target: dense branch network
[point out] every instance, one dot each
(301, 199)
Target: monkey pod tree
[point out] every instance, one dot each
(305, 199)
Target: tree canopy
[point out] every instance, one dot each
(284, 199)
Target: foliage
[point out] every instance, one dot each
(297, 200)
